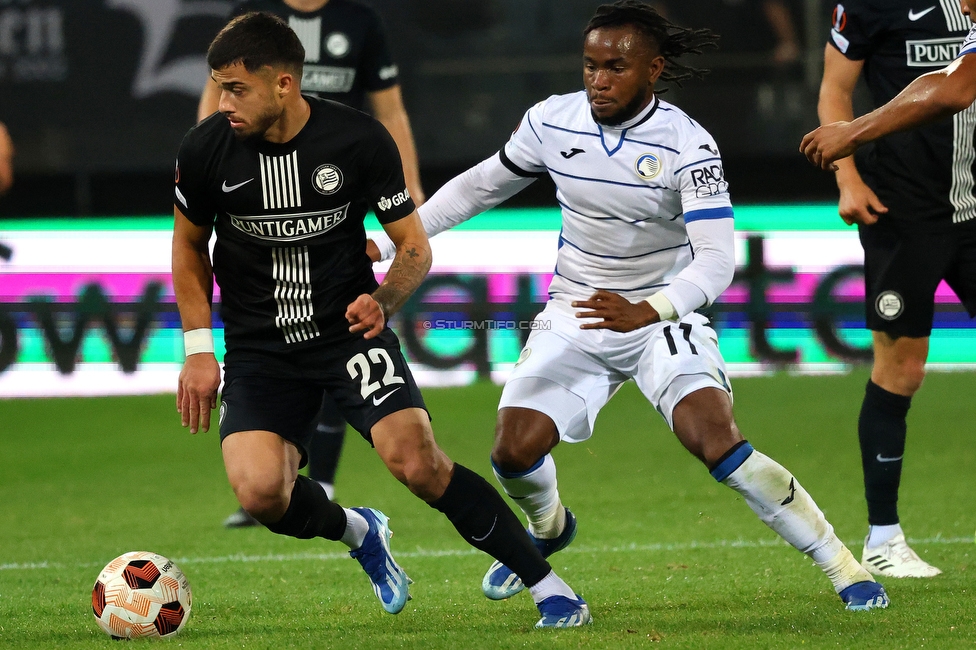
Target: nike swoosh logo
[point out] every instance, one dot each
(912, 16)
(572, 152)
(481, 539)
(230, 188)
(379, 400)
(883, 459)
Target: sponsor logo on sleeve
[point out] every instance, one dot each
(839, 18)
(399, 198)
(389, 72)
(708, 180)
(327, 179)
(933, 52)
(648, 166)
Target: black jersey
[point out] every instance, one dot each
(925, 173)
(290, 254)
(346, 52)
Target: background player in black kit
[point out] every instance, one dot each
(285, 182)
(348, 60)
(911, 195)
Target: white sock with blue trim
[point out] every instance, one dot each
(535, 492)
(783, 505)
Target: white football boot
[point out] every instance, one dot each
(896, 559)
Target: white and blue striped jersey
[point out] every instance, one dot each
(626, 192)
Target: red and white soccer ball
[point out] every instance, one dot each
(141, 594)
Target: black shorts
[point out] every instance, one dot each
(904, 262)
(367, 380)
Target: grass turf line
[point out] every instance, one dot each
(83, 480)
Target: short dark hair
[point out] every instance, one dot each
(672, 41)
(255, 40)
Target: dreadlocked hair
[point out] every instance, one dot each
(672, 41)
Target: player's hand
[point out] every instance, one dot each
(859, 204)
(828, 143)
(365, 315)
(196, 394)
(615, 313)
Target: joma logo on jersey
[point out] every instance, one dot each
(932, 53)
(290, 227)
(400, 198)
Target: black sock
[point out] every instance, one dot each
(310, 513)
(486, 522)
(325, 449)
(881, 431)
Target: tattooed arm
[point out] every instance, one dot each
(369, 313)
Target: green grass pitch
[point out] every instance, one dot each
(665, 556)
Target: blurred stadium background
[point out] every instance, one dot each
(97, 95)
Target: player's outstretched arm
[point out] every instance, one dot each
(930, 97)
(196, 393)
(368, 314)
(470, 193)
(6, 160)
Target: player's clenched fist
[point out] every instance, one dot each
(196, 394)
(828, 143)
(365, 315)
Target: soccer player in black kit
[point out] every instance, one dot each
(285, 182)
(912, 196)
(348, 60)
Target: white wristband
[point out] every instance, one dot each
(662, 306)
(198, 341)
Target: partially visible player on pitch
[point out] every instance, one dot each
(285, 181)
(647, 238)
(347, 60)
(912, 196)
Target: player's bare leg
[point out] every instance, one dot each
(262, 468)
(899, 368)
(703, 423)
(522, 464)
(406, 444)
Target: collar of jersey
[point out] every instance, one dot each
(619, 132)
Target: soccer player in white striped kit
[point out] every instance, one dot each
(647, 238)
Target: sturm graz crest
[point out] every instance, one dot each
(889, 305)
(327, 179)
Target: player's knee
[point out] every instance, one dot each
(426, 476)
(266, 500)
(521, 439)
(903, 376)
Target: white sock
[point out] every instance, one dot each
(878, 535)
(356, 529)
(783, 505)
(329, 489)
(535, 493)
(551, 585)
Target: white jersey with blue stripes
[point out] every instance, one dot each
(626, 192)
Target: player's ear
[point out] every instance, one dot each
(286, 83)
(656, 68)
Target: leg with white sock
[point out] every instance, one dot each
(703, 422)
(899, 368)
(262, 469)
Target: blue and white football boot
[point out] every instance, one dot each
(390, 583)
(501, 582)
(862, 596)
(560, 611)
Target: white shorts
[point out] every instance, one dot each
(569, 374)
